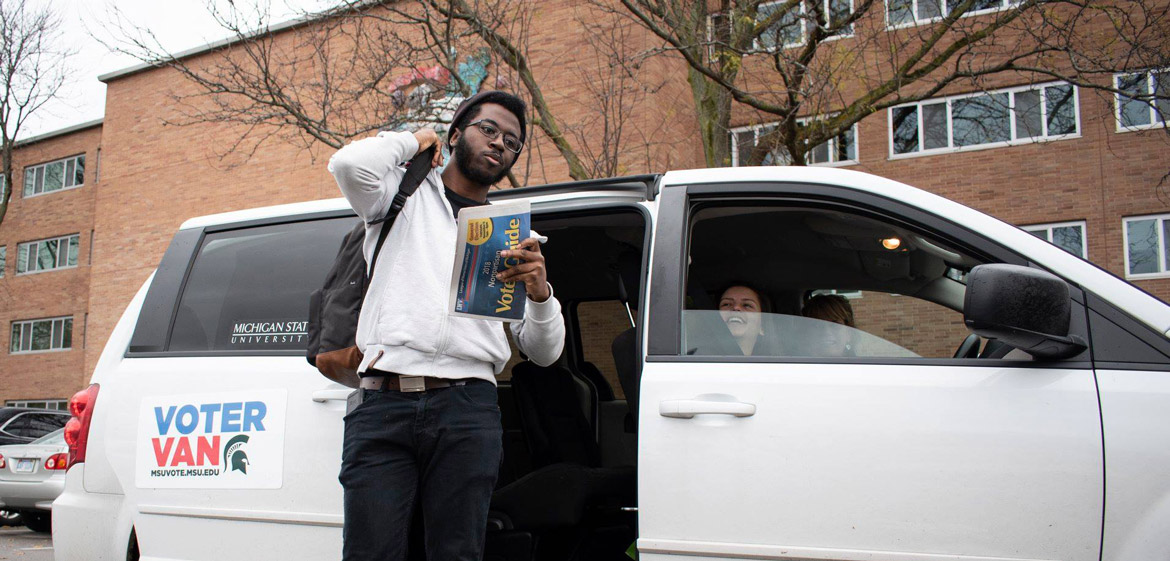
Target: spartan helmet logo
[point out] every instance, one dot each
(235, 453)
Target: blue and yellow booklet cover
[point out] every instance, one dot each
(485, 231)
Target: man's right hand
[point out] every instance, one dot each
(427, 138)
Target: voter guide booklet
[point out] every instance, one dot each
(485, 231)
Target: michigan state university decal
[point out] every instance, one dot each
(212, 441)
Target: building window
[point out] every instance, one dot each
(839, 150)
(3, 187)
(792, 28)
(847, 294)
(46, 255)
(1069, 236)
(985, 120)
(1145, 246)
(54, 176)
(41, 335)
(56, 404)
(3, 259)
(901, 13)
(1148, 101)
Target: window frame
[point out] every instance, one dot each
(803, 20)
(52, 335)
(59, 239)
(1152, 110)
(1163, 262)
(1049, 226)
(1015, 140)
(832, 144)
(41, 166)
(40, 404)
(1005, 5)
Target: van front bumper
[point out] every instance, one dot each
(89, 526)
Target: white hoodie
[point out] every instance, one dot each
(404, 326)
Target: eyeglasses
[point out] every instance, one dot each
(491, 130)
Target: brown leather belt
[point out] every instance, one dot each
(404, 383)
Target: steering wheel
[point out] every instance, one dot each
(969, 348)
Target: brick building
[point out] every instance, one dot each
(1081, 173)
(46, 244)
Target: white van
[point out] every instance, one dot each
(997, 398)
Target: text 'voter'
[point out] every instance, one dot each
(233, 416)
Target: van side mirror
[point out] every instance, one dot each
(1023, 307)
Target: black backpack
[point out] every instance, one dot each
(334, 308)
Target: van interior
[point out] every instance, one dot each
(567, 485)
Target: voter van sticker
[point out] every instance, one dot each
(212, 441)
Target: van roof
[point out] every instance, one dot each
(1144, 307)
(639, 186)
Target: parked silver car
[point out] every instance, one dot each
(31, 477)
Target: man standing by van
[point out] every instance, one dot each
(428, 432)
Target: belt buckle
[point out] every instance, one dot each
(412, 384)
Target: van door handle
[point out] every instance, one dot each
(321, 396)
(688, 408)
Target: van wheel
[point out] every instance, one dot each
(39, 522)
(132, 549)
(10, 518)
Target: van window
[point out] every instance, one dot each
(249, 288)
(786, 281)
(599, 323)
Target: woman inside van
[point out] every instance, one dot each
(836, 340)
(742, 308)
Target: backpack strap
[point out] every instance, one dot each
(420, 166)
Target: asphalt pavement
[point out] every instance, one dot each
(25, 545)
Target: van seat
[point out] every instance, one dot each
(568, 482)
(554, 426)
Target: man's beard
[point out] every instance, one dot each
(463, 157)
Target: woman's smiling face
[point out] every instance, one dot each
(740, 309)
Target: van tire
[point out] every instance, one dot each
(41, 522)
(10, 518)
(132, 549)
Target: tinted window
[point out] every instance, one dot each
(41, 424)
(598, 324)
(20, 425)
(249, 288)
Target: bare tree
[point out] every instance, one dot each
(814, 68)
(617, 91)
(32, 72)
(322, 80)
(365, 65)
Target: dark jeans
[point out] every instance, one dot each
(437, 450)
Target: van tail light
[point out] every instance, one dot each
(57, 461)
(77, 429)
(3, 462)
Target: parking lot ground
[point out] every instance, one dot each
(24, 544)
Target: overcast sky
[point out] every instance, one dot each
(179, 24)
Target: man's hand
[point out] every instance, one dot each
(427, 138)
(529, 271)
